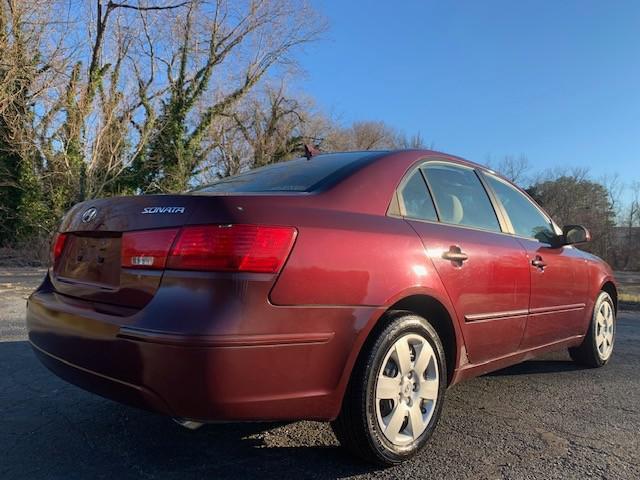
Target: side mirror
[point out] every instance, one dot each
(574, 234)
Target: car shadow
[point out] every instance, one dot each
(533, 367)
(53, 429)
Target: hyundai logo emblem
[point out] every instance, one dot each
(89, 215)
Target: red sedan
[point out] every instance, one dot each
(348, 287)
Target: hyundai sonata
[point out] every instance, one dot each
(347, 287)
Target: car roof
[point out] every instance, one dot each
(371, 188)
(413, 155)
(419, 153)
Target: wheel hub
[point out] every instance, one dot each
(407, 387)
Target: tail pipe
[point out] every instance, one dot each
(188, 424)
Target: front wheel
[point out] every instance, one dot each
(597, 347)
(395, 396)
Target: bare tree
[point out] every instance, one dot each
(629, 236)
(615, 189)
(268, 126)
(514, 168)
(113, 96)
(570, 196)
(365, 135)
(272, 126)
(415, 141)
(30, 63)
(221, 53)
(83, 129)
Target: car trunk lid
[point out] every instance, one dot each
(114, 251)
(91, 265)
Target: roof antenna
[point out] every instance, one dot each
(310, 151)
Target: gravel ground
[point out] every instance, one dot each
(545, 418)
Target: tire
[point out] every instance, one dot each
(597, 346)
(382, 389)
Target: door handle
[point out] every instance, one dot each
(538, 262)
(455, 255)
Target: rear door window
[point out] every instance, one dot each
(460, 197)
(416, 200)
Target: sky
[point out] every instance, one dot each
(558, 81)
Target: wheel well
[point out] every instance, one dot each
(610, 288)
(431, 309)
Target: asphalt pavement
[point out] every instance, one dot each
(545, 418)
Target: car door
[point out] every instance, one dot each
(559, 276)
(484, 271)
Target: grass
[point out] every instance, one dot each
(629, 297)
(629, 289)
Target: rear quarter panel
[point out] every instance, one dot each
(353, 259)
(359, 261)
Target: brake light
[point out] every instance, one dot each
(235, 248)
(147, 249)
(58, 246)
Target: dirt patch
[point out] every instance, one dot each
(16, 284)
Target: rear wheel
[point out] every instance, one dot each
(396, 392)
(597, 347)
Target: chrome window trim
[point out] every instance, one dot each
(504, 221)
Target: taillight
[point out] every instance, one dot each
(232, 248)
(58, 246)
(147, 249)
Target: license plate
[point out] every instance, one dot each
(91, 259)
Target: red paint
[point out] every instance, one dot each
(257, 345)
(495, 278)
(564, 281)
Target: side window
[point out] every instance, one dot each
(416, 199)
(460, 197)
(526, 219)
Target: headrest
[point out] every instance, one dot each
(453, 211)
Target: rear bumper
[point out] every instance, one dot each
(292, 368)
(109, 387)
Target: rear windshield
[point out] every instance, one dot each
(299, 175)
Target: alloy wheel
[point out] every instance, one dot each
(406, 390)
(604, 330)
